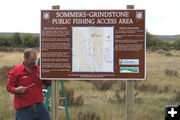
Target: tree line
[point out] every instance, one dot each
(19, 40)
(153, 43)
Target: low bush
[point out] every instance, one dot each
(168, 54)
(122, 85)
(69, 97)
(151, 88)
(4, 72)
(119, 97)
(170, 72)
(90, 115)
(102, 85)
(177, 95)
(79, 100)
(6, 49)
(71, 100)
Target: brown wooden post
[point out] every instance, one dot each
(55, 91)
(55, 7)
(130, 92)
(53, 99)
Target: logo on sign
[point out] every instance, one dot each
(128, 61)
(139, 15)
(46, 15)
(129, 69)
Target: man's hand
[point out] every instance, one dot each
(20, 89)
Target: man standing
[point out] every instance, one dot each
(24, 82)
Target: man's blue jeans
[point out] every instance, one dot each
(40, 112)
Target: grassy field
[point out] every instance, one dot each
(9, 59)
(152, 94)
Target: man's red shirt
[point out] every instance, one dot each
(19, 76)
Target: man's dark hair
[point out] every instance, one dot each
(28, 52)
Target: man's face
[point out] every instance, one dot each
(31, 61)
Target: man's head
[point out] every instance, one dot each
(30, 57)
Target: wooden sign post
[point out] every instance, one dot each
(130, 92)
(55, 91)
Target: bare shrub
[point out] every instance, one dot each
(90, 115)
(177, 95)
(118, 97)
(136, 83)
(160, 51)
(151, 88)
(71, 100)
(142, 87)
(170, 72)
(69, 96)
(6, 49)
(79, 100)
(168, 54)
(122, 85)
(166, 89)
(102, 85)
(4, 72)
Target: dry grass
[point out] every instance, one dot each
(6, 101)
(151, 103)
(10, 58)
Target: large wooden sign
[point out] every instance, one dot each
(93, 44)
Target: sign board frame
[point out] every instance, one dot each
(125, 63)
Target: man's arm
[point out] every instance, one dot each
(11, 82)
(11, 85)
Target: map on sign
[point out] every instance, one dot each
(93, 49)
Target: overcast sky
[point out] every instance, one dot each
(162, 16)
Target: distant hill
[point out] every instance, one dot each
(169, 38)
